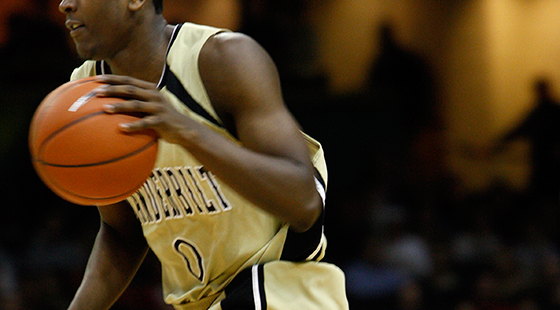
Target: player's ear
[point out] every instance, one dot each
(135, 5)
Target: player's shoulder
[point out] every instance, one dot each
(224, 44)
(189, 35)
(233, 55)
(231, 38)
(186, 41)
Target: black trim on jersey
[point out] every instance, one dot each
(176, 88)
(261, 286)
(174, 36)
(299, 246)
(320, 178)
(173, 84)
(99, 69)
(240, 292)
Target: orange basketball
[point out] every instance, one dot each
(79, 151)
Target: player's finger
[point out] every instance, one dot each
(124, 91)
(142, 124)
(124, 80)
(130, 106)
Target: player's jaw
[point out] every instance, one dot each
(78, 32)
(93, 26)
(87, 38)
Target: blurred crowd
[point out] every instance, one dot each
(398, 221)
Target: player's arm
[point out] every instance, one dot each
(118, 251)
(272, 168)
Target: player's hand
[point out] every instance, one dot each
(144, 98)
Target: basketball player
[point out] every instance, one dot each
(234, 207)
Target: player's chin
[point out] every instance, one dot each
(86, 51)
(83, 53)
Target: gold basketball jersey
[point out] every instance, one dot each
(202, 231)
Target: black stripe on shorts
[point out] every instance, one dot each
(246, 291)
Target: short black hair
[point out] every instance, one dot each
(158, 4)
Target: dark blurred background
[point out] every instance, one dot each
(439, 122)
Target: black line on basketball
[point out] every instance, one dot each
(62, 189)
(39, 118)
(83, 118)
(140, 150)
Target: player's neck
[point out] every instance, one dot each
(144, 58)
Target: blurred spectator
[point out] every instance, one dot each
(410, 296)
(371, 281)
(10, 298)
(443, 286)
(541, 128)
(478, 242)
(394, 264)
(406, 144)
(401, 84)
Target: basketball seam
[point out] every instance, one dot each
(38, 117)
(61, 129)
(124, 195)
(41, 148)
(137, 151)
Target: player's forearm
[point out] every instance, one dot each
(282, 186)
(111, 267)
